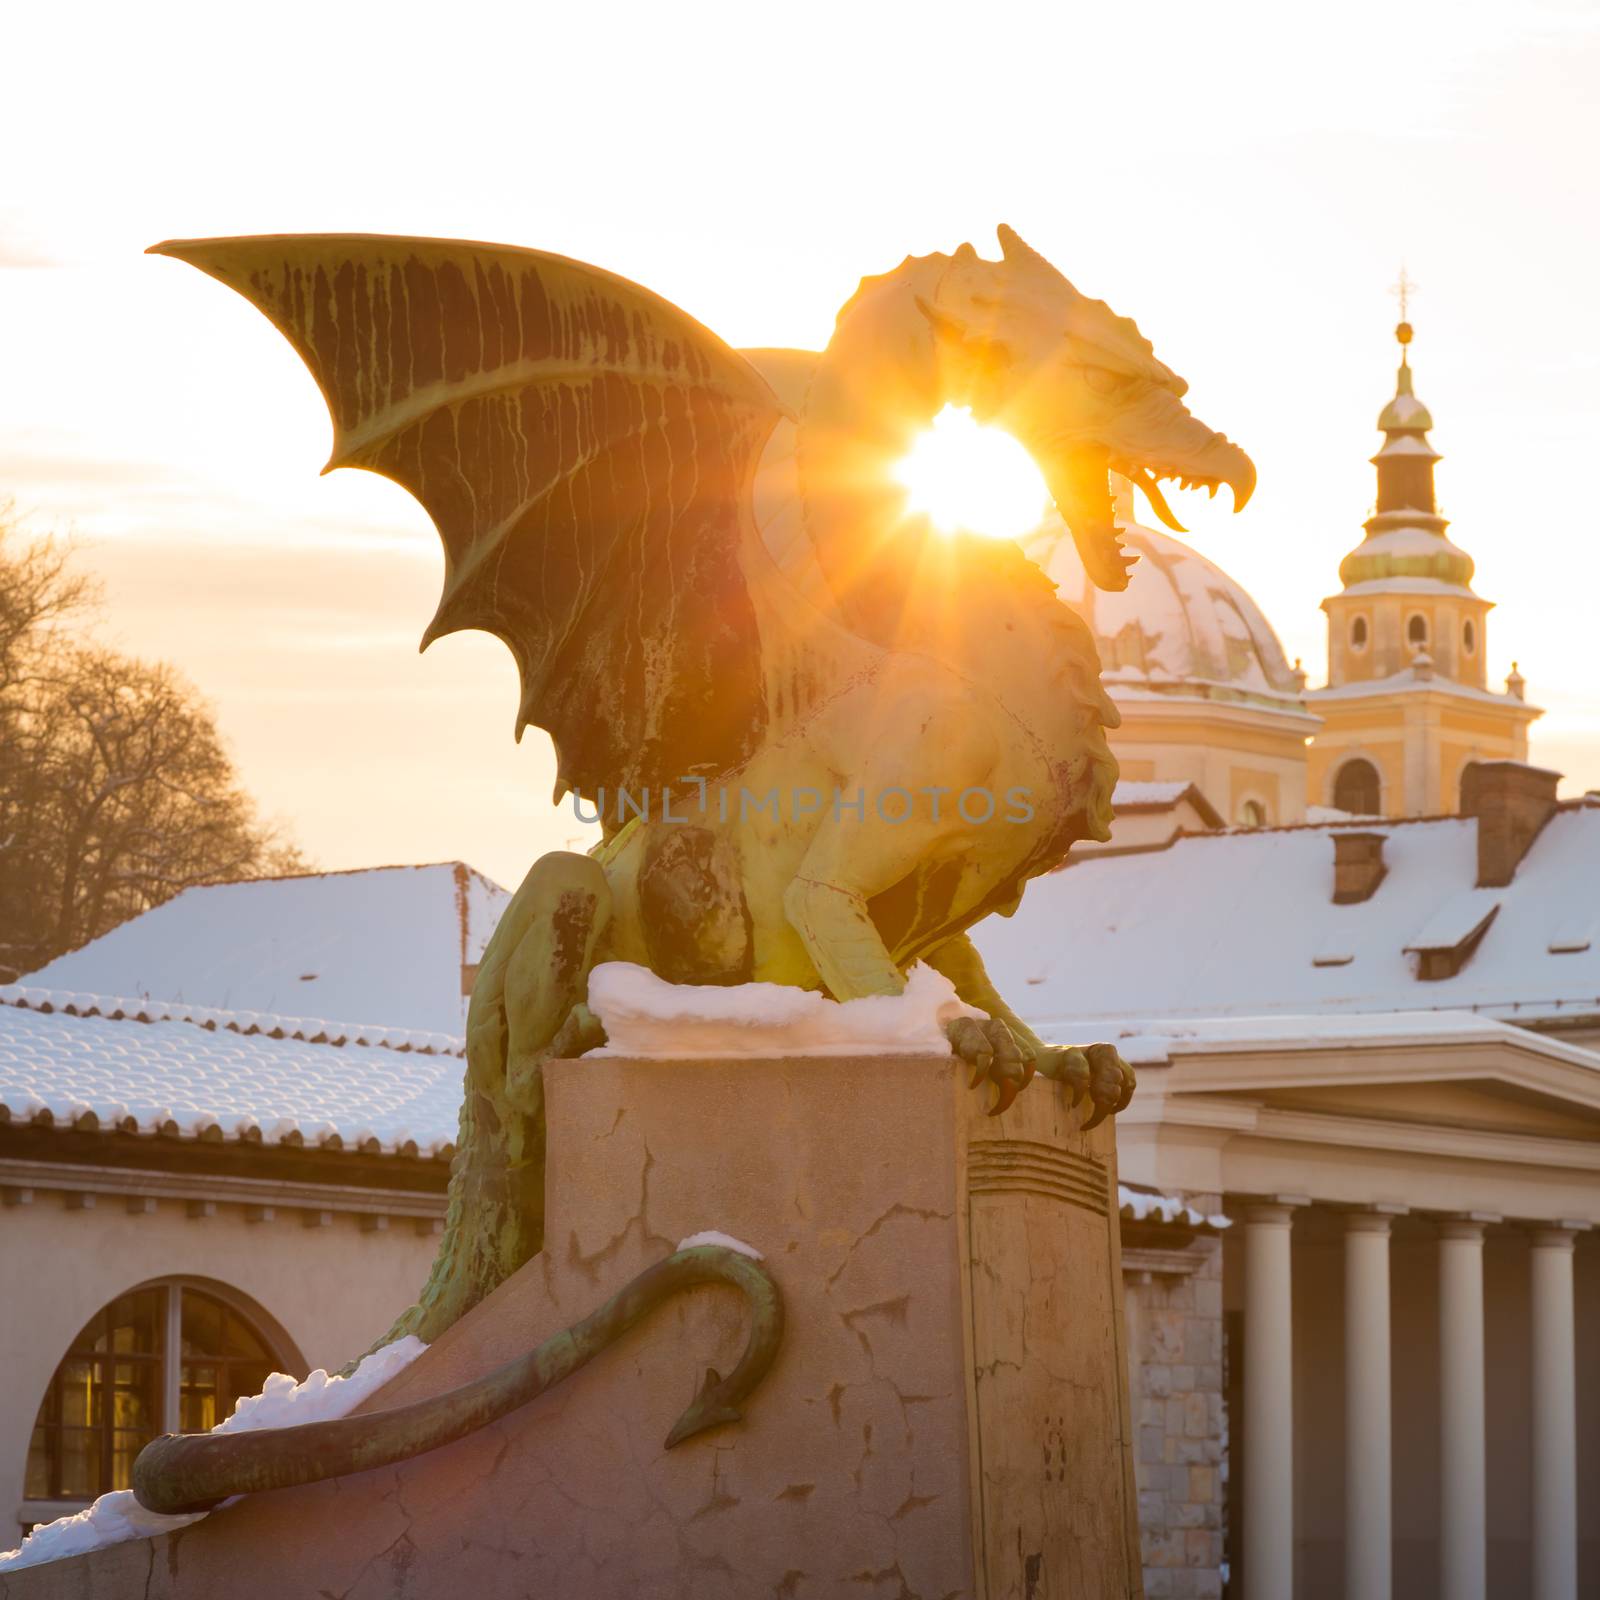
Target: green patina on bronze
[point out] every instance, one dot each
(180, 1473)
(591, 457)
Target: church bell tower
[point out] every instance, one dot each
(1407, 704)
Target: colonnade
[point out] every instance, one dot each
(1267, 1558)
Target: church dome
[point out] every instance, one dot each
(1405, 413)
(1181, 627)
(1406, 552)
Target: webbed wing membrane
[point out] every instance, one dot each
(585, 450)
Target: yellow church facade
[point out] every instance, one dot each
(1401, 753)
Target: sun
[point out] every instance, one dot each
(968, 478)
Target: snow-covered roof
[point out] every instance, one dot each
(1159, 795)
(1406, 445)
(1409, 681)
(1153, 1041)
(1243, 924)
(1149, 793)
(78, 1061)
(1334, 814)
(384, 947)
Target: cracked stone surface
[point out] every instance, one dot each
(949, 1396)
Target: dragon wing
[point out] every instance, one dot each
(585, 450)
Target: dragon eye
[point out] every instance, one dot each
(1104, 381)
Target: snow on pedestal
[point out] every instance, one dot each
(645, 1016)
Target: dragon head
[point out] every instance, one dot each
(1080, 387)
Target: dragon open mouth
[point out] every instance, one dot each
(1079, 486)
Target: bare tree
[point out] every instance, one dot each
(116, 791)
(38, 591)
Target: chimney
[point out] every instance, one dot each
(1512, 802)
(1358, 866)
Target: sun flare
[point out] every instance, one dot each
(966, 477)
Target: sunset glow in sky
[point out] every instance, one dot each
(1245, 180)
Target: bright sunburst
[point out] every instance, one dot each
(967, 477)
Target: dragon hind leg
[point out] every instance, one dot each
(534, 972)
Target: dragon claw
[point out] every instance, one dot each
(1066, 1065)
(1111, 1083)
(581, 1032)
(990, 1050)
(1094, 1071)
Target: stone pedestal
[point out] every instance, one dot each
(948, 1415)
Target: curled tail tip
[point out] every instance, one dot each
(707, 1410)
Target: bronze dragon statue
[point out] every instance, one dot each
(823, 738)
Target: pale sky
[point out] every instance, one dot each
(1245, 180)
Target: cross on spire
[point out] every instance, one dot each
(1404, 286)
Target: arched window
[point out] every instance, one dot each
(1252, 814)
(1356, 788)
(1417, 631)
(163, 1358)
(1469, 636)
(1358, 633)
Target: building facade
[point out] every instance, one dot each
(1374, 1048)
(193, 1199)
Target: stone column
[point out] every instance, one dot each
(1463, 1503)
(1368, 1517)
(1555, 1446)
(1268, 1507)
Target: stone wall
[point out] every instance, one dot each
(1173, 1279)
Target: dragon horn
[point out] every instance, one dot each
(1019, 253)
